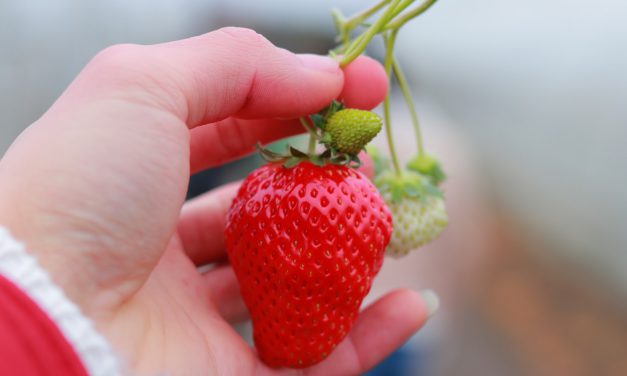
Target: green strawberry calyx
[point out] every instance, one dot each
(343, 132)
(427, 165)
(409, 184)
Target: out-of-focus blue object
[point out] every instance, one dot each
(409, 360)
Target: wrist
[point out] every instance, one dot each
(23, 270)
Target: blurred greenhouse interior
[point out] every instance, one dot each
(525, 102)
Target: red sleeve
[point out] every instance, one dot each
(30, 343)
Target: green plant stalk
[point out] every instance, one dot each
(402, 83)
(311, 149)
(340, 26)
(349, 47)
(399, 8)
(345, 26)
(389, 58)
(360, 44)
(346, 38)
(400, 21)
(357, 19)
(391, 20)
(313, 137)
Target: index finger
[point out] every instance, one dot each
(205, 79)
(365, 86)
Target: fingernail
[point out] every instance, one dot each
(431, 301)
(319, 63)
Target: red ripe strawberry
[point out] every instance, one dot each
(305, 243)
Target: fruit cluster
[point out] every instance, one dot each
(307, 232)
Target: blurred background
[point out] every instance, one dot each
(524, 101)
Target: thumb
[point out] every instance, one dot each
(204, 79)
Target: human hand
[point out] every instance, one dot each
(96, 186)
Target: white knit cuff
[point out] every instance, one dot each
(24, 271)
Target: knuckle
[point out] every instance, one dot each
(117, 57)
(135, 73)
(244, 36)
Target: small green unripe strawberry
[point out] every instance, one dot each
(351, 129)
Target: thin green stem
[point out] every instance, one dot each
(362, 42)
(400, 21)
(305, 124)
(357, 19)
(354, 43)
(402, 82)
(313, 137)
(346, 39)
(389, 58)
(399, 8)
(348, 27)
(349, 48)
(338, 19)
(341, 28)
(311, 149)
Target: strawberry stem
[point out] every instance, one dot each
(390, 40)
(359, 45)
(398, 9)
(313, 137)
(400, 21)
(341, 27)
(305, 124)
(402, 83)
(357, 19)
(388, 23)
(311, 149)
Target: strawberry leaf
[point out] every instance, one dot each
(319, 121)
(317, 161)
(326, 154)
(397, 194)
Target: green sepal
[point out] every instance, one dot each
(269, 155)
(319, 121)
(326, 154)
(429, 166)
(289, 160)
(334, 107)
(397, 195)
(317, 161)
(292, 161)
(315, 125)
(297, 153)
(341, 159)
(355, 162)
(410, 184)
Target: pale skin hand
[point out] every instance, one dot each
(95, 188)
